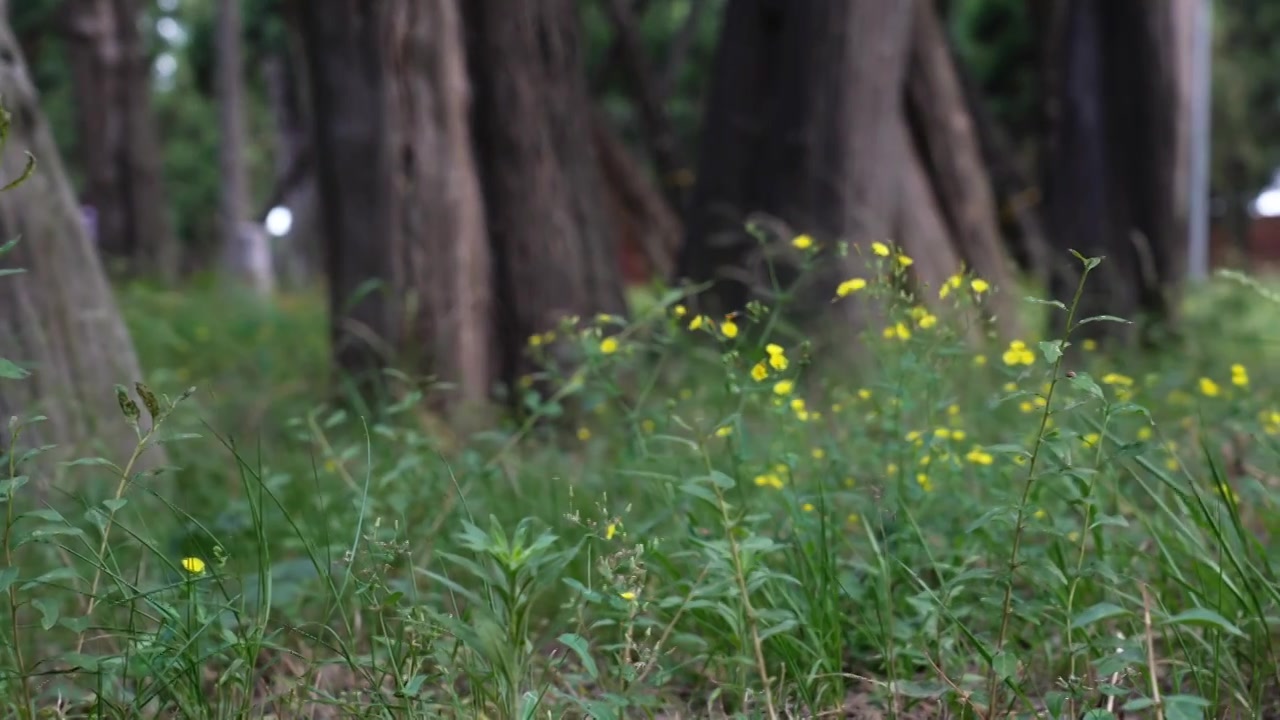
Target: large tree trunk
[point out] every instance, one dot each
(245, 247)
(400, 198)
(1114, 183)
(949, 148)
(799, 125)
(117, 138)
(542, 184)
(59, 318)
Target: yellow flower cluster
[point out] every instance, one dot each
(1018, 354)
(1239, 376)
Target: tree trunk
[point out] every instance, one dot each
(546, 211)
(400, 197)
(949, 149)
(799, 126)
(1113, 174)
(60, 320)
(246, 251)
(117, 137)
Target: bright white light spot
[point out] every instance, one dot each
(279, 220)
(167, 5)
(1268, 203)
(166, 65)
(171, 31)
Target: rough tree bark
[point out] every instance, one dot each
(400, 197)
(1116, 151)
(59, 318)
(116, 136)
(245, 249)
(547, 217)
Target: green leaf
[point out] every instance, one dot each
(1084, 383)
(1104, 318)
(9, 371)
(1005, 665)
(1089, 262)
(7, 576)
(1204, 616)
(1038, 301)
(48, 611)
(1097, 613)
(1098, 714)
(1051, 349)
(114, 504)
(578, 645)
(62, 573)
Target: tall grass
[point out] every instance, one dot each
(702, 518)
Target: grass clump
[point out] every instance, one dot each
(705, 518)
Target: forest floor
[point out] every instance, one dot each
(721, 521)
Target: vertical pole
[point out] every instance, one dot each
(1201, 103)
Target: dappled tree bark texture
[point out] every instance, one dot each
(545, 208)
(1112, 176)
(402, 215)
(116, 136)
(58, 318)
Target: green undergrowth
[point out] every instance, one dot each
(702, 519)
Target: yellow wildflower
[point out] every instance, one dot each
(648, 426)
(193, 565)
(609, 346)
(696, 322)
(584, 434)
(807, 507)
(759, 372)
(1239, 376)
(864, 394)
(952, 283)
(628, 595)
(1018, 354)
(679, 311)
(850, 286)
(818, 453)
(1089, 344)
(928, 321)
(729, 328)
(979, 360)
(979, 285)
(802, 242)
(978, 456)
(610, 531)
(1090, 439)
(783, 387)
(880, 249)
(1209, 388)
(905, 261)
(899, 330)
(924, 482)
(724, 431)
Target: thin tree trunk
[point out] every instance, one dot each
(545, 205)
(117, 137)
(400, 197)
(60, 320)
(248, 256)
(949, 149)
